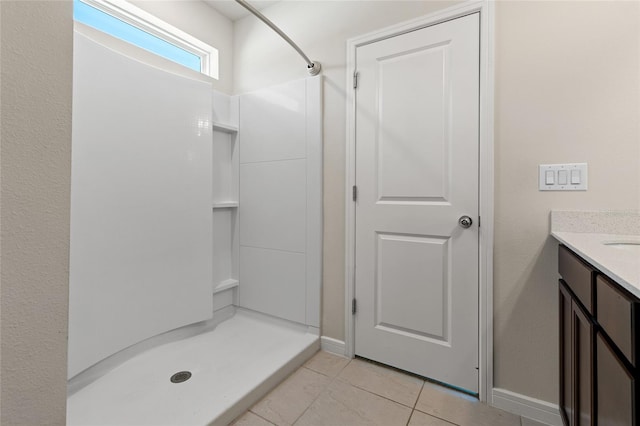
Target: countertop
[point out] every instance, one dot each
(586, 232)
(622, 264)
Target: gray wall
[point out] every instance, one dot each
(36, 63)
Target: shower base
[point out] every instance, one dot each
(232, 367)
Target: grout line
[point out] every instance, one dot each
(320, 372)
(373, 393)
(419, 393)
(390, 369)
(439, 418)
(424, 382)
(331, 380)
(413, 410)
(258, 415)
(337, 377)
(314, 399)
(432, 415)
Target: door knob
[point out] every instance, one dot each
(465, 221)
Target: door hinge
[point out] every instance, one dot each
(355, 79)
(479, 217)
(353, 307)
(354, 193)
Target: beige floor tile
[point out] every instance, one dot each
(529, 422)
(289, 400)
(382, 381)
(250, 419)
(343, 404)
(327, 363)
(419, 418)
(461, 409)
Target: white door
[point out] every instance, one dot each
(417, 143)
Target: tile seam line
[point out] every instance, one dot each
(418, 397)
(373, 393)
(320, 372)
(316, 398)
(258, 415)
(337, 374)
(413, 410)
(439, 418)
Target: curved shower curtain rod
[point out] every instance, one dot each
(312, 67)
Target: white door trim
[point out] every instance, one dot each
(486, 9)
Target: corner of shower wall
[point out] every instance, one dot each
(281, 200)
(225, 204)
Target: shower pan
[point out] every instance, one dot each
(195, 242)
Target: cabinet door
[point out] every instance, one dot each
(615, 391)
(566, 395)
(582, 361)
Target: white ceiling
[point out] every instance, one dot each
(233, 10)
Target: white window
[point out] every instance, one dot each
(132, 24)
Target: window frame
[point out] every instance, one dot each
(133, 15)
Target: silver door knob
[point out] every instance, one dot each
(465, 221)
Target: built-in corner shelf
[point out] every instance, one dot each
(225, 205)
(225, 285)
(225, 151)
(226, 128)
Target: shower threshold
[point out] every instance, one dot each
(231, 366)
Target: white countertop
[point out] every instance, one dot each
(620, 263)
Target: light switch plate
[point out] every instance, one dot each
(573, 175)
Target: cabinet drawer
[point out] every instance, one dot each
(577, 275)
(615, 314)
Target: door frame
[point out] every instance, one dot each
(486, 167)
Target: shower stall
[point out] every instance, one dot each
(196, 236)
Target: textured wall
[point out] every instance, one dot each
(36, 62)
(567, 90)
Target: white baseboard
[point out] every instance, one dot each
(332, 345)
(525, 406)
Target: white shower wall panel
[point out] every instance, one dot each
(141, 229)
(273, 123)
(274, 205)
(281, 200)
(273, 282)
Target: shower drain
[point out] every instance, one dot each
(181, 376)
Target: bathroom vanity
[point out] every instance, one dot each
(599, 317)
(598, 346)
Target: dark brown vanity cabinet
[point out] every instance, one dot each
(576, 342)
(598, 347)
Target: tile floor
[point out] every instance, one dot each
(335, 391)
